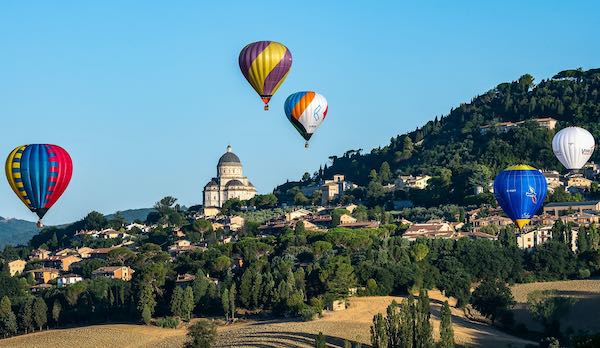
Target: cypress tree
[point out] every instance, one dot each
(423, 329)
(256, 289)
(232, 294)
(379, 337)
(56, 309)
(446, 331)
(392, 325)
(177, 302)
(187, 305)
(26, 315)
(40, 312)
(246, 288)
(8, 320)
(320, 341)
(225, 303)
(407, 323)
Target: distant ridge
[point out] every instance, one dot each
(131, 215)
(16, 231)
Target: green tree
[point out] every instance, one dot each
(420, 250)
(56, 310)
(232, 295)
(147, 315)
(40, 312)
(187, 306)
(548, 308)
(423, 329)
(338, 276)
(320, 341)
(300, 199)
(25, 317)
(8, 320)
(379, 337)
(407, 322)
(177, 302)
(446, 330)
(392, 325)
(225, 303)
(203, 333)
(385, 173)
(146, 302)
(492, 298)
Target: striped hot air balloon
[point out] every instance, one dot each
(39, 174)
(520, 190)
(265, 64)
(306, 111)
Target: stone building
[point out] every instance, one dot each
(229, 183)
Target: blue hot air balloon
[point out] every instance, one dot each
(520, 190)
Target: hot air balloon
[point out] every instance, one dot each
(520, 190)
(573, 146)
(306, 111)
(265, 64)
(39, 174)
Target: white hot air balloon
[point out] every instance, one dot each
(573, 146)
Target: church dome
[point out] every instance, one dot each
(229, 158)
(235, 183)
(212, 184)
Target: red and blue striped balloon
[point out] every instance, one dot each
(39, 174)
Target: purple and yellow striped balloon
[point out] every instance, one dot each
(265, 64)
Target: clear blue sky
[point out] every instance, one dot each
(146, 95)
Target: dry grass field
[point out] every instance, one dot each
(112, 335)
(585, 312)
(352, 324)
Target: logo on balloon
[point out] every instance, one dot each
(531, 194)
(316, 113)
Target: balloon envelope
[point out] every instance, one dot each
(265, 64)
(573, 146)
(39, 174)
(520, 190)
(306, 111)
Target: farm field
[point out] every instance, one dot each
(584, 313)
(352, 324)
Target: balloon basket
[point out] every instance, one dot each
(306, 145)
(267, 107)
(39, 224)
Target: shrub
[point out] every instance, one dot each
(318, 304)
(146, 315)
(306, 312)
(203, 334)
(584, 273)
(168, 322)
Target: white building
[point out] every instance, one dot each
(405, 182)
(229, 183)
(68, 279)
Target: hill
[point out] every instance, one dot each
(459, 155)
(131, 215)
(15, 231)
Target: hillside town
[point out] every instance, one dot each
(48, 268)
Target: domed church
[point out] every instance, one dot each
(229, 183)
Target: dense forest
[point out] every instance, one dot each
(459, 156)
